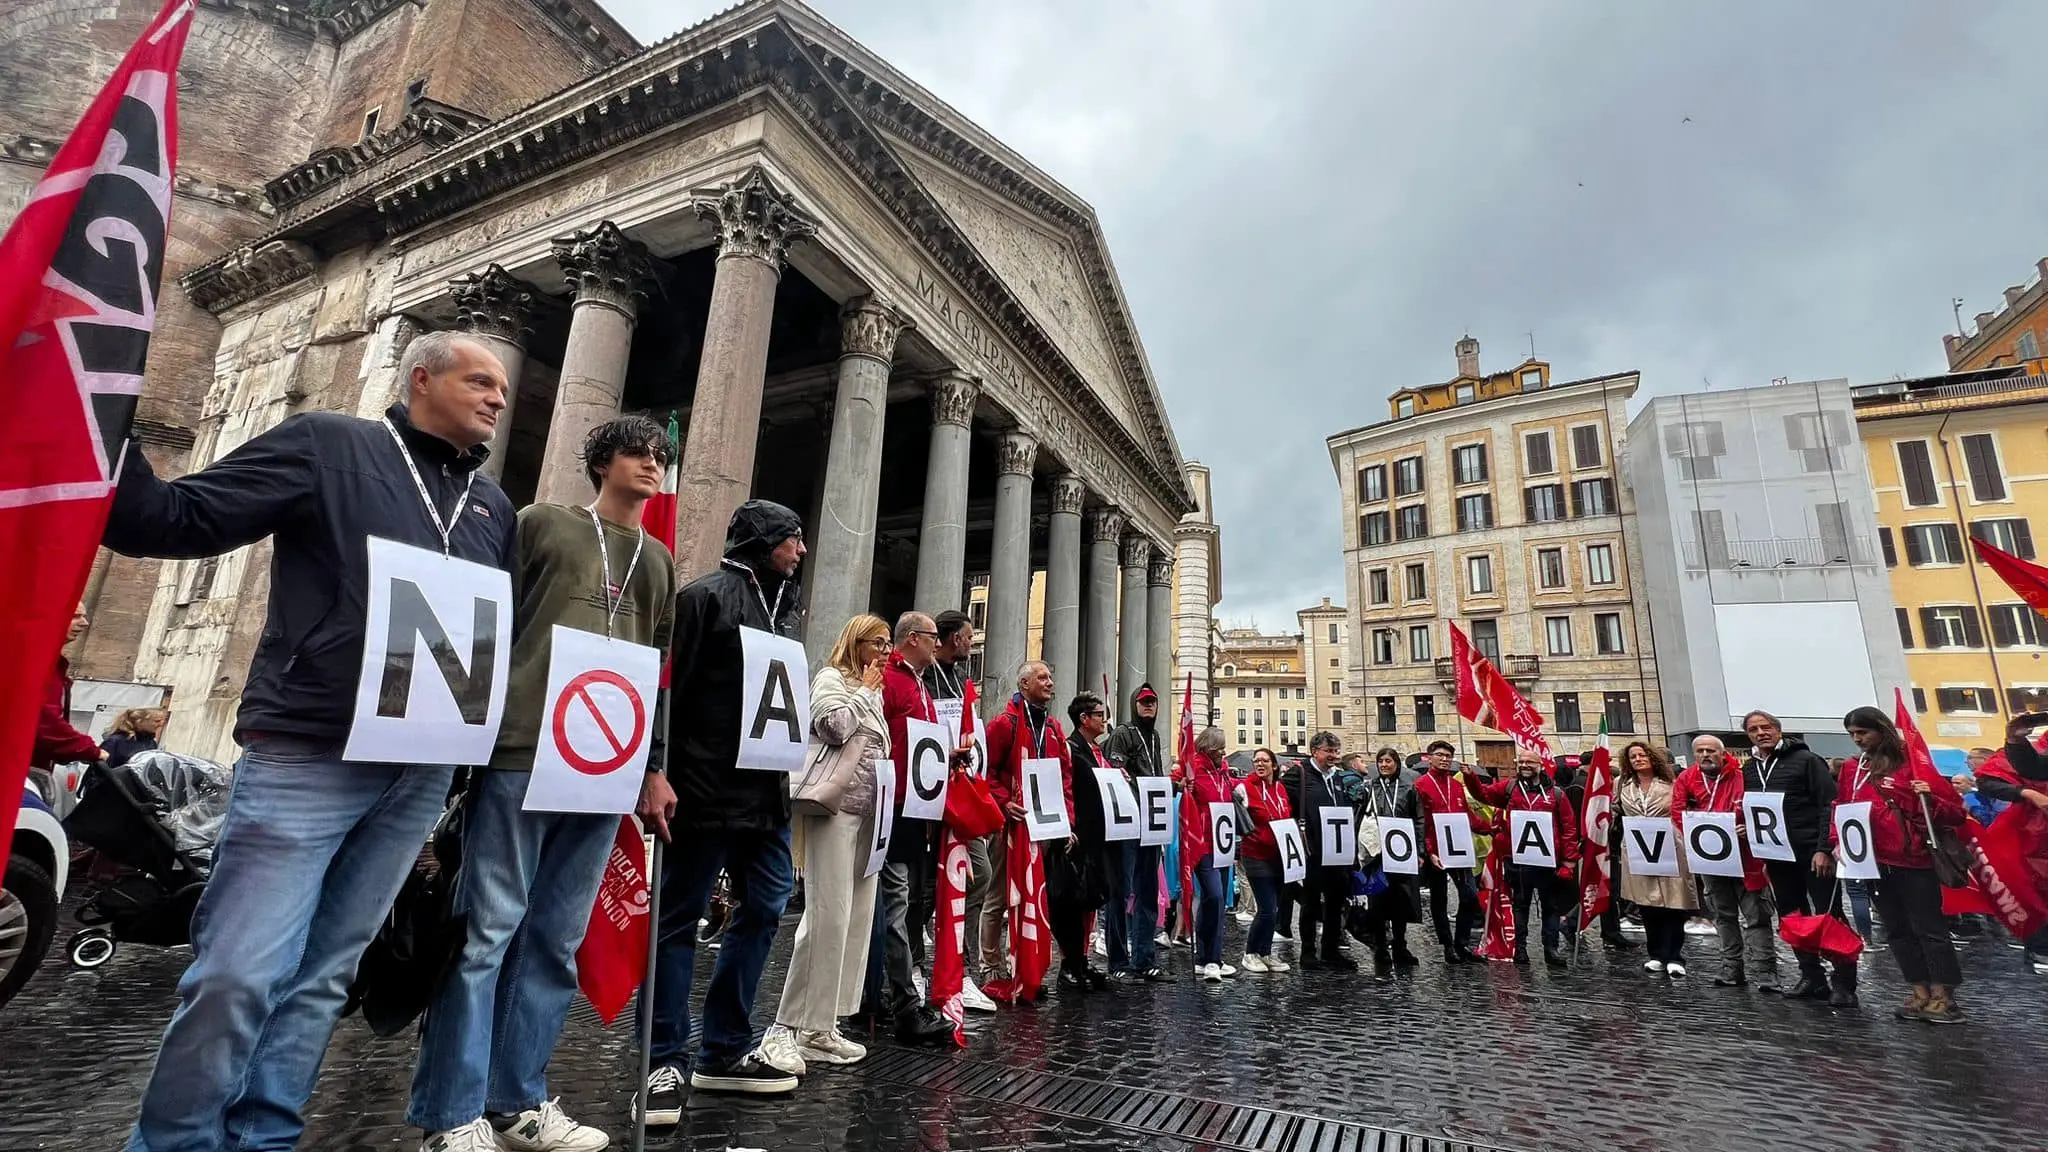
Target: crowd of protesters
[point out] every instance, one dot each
(317, 844)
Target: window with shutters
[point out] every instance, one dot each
(1414, 583)
(1905, 628)
(1377, 589)
(1931, 544)
(1336, 717)
(1373, 528)
(1301, 717)
(1468, 464)
(1408, 476)
(1818, 438)
(1336, 688)
(1834, 532)
(2015, 626)
(1240, 737)
(1987, 479)
(1372, 484)
(1383, 645)
(2010, 534)
(2023, 698)
(1557, 633)
(1425, 713)
(1543, 503)
(1550, 568)
(1564, 711)
(1619, 710)
(1333, 631)
(1586, 447)
(1240, 717)
(1891, 549)
(1258, 736)
(1607, 637)
(1971, 700)
(2026, 347)
(1599, 564)
(1698, 447)
(1486, 638)
(1475, 512)
(1593, 498)
(1919, 699)
(1712, 531)
(1386, 715)
(1418, 644)
(1412, 522)
(1536, 456)
(1258, 693)
(1916, 474)
(1258, 715)
(1951, 626)
(1479, 575)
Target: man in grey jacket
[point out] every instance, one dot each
(1138, 749)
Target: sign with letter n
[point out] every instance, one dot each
(436, 659)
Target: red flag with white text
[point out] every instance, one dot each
(610, 960)
(1596, 889)
(80, 270)
(1030, 928)
(1498, 900)
(1486, 698)
(1185, 755)
(2027, 579)
(956, 871)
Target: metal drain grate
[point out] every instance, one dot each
(1211, 1123)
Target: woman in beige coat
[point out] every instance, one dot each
(833, 802)
(1665, 901)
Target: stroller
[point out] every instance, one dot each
(156, 818)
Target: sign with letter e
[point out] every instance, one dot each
(437, 655)
(1155, 811)
(775, 702)
(597, 725)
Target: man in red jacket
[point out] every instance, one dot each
(1026, 730)
(1532, 791)
(1441, 790)
(910, 861)
(1742, 908)
(57, 740)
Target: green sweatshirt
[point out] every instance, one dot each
(558, 578)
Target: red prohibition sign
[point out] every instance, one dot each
(578, 690)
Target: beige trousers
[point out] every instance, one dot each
(995, 908)
(829, 965)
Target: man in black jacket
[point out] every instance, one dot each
(716, 815)
(1131, 937)
(1778, 763)
(1075, 881)
(1328, 886)
(316, 845)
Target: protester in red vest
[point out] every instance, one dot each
(1532, 791)
(1905, 798)
(1025, 730)
(1439, 791)
(1742, 908)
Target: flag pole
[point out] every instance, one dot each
(646, 1022)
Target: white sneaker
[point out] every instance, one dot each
(1163, 940)
(1699, 928)
(1099, 944)
(1675, 971)
(1226, 971)
(829, 1048)
(1254, 964)
(475, 1136)
(548, 1129)
(1210, 973)
(973, 998)
(1246, 917)
(1656, 966)
(1276, 964)
(780, 1050)
(917, 981)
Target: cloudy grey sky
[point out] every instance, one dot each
(1310, 202)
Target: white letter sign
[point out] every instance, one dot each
(881, 822)
(1222, 835)
(1710, 845)
(1765, 812)
(1454, 839)
(1045, 801)
(1652, 848)
(1339, 836)
(1398, 854)
(437, 656)
(1293, 852)
(775, 702)
(926, 752)
(597, 726)
(1531, 835)
(1855, 857)
(1155, 811)
(1119, 805)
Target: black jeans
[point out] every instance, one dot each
(1439, 906)
(1664, 933)
(1909, 902)
(1067, 908)
(1553, 893)
(1322, 899)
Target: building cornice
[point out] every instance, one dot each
(247, 274)
(1484, 413)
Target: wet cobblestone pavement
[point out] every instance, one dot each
(1439, 1060)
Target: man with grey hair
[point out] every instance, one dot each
(1742, 906)
(1024, 730)
(1327, 887)
(316, 845)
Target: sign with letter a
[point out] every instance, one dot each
(926, 753)
(437, 655)
(597, 727)
(1855, 857)
(1293, 851)
(1651, 845)
(1711, 848)
(1155, 811)
(1339, 836)
(1454, 840)
(881, 822)
(775, 702)
(1222, 835)
(1534, 839)
(1398, 852)
(1765, 812)
(1045, 801)
(1119, 805)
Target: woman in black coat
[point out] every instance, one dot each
(1389, 913)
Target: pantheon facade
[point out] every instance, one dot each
(854, 301)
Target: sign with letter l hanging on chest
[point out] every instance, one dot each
(436, 659)
(775, 702)
(1045, 800)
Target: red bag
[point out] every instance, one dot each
(1826, 935)
(971, 810)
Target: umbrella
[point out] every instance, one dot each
(421, 939)
(1823, 934)
(971, 811)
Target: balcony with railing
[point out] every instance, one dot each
(1778, 552)
(1521, 671)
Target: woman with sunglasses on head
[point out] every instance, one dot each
(1904, 798)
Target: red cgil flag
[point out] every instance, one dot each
(1486, 698)
(1499, 940)
(2029, 580)
(956, 871)
(79, 274)
(1189, 817)
(1596, 891)
(614, 948)
(1030, 931)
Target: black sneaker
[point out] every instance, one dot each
(748, 1074)
(664, 1097)
(1157, 976)
(924, 1025)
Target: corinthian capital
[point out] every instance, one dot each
(1106, 525)
(755, 218)
(493, 302)
(869, 328)
(1068, 494)
(1159, 573)
(605, 266)
(1017, 453)
(953, 397)
(1137, 551)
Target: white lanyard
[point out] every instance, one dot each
(1763, 773)
(1384, 797)
(1714, 789)
(945, 675)
(433, 513)
(1862, 777)
(1522, 791)
(612, 603)
(754, 583)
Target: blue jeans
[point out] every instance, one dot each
(528, 882)
(1141, 865)
(1116, 920)
(1208, 913)
(762, 877)
(1266, 890)
(1859, 906)
(312, 854)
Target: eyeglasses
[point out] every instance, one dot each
(933, 635)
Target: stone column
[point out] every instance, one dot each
(1136, 610)
(1193, 545)
(1159, 623)
(609, 273)
(497, 308)
(1098, 656)
(1009, 581)
(843, 540)
(757, 222)
(1063, 589)
(942, 541)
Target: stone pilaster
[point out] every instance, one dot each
(756, 222)
(609, 273)
(843, 540)
(497, 308)
(1062, 645)
(1009, 584)
(942, 539)
(1099, 657)
(1159, 623)
(1134, 618)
